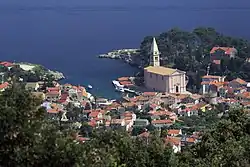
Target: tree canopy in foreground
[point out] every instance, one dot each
(28, 139)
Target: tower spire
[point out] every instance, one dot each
(155, 54)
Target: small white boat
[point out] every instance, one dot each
(90, 86)
(104, 102)
(117, 84)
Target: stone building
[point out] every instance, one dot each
(162, 79)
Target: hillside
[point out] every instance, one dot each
(189, 51)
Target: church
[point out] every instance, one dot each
(162, 79)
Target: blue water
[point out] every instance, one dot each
(67, 35)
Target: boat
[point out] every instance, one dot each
(117, 84)
(90, 86)
(104, 102)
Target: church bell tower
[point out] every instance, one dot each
(155, 54)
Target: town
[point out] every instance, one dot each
(164, 105)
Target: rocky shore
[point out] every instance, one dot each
(129, 56)
(42, 70)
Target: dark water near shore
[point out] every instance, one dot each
(68, 35)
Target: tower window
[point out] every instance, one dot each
(156, 53)
(156, 58)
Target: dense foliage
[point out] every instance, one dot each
(189, 51)
(28, 139)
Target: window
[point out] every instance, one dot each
(150, 75)
(156, 58)
(156, 76)
(162, 77)
(156, 53)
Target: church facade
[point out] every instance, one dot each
(162, 79)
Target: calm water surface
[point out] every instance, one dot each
(68, 35)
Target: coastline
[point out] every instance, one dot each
(129, 56)
(41, 69)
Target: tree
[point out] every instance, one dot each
(27, 138)
(226, 144)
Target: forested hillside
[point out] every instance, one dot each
(189, 51)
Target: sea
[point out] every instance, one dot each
(68, 35)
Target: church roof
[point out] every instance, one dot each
(154, 47)
(160, 70)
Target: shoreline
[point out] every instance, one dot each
(128, 56)
(26, 66)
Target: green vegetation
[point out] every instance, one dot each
(29, 139)
(189, 51)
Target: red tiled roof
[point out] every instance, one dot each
(164, 121)
(173, 131)
(149, 93)
(53, 111)
(240, 81)
(160, 113)
(123, 79)
(94, 113)
(227, 50)
(126, 83)
(4, 85)
(92, 123)
(6, 64)
(172, 140)
(190, 140)
(50, 89)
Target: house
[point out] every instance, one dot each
(167, 99)
(208, 80)
(95, 114)
(32, 86)
(162, 79)
(237, 83)
(174, 132)
(128, 116)
(53, 89)
(194, 98)
(9, 65)
(162, 123)
(175, 142)
(64, 97)
(161, 114)
(4, 86)
(218, 53)
(117, 123)
(52, 96)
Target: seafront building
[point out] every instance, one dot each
(162, 79)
